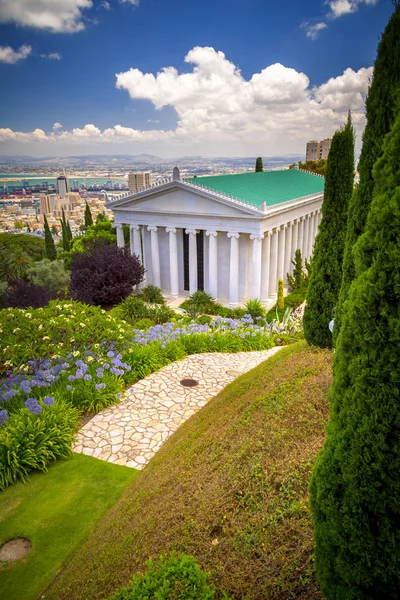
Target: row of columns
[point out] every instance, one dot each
(273, 252)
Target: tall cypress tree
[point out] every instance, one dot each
(259, 165)
(50, 247)
(355, 487)
(88, 216)
(326, 264)
(65, 233)
(381, 111)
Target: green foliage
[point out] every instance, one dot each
(280, 303)
(3, 293)
(355, 485)
(152, 294)
(33, 246)
(29, 442)
(132, 309)
(300, 277)
(382, 107)
(103, 231)
(144, 324)
(254, 308)
(169, 578)
(15, 261)
(88, 216)
(160, 314)
(325, 281)
(314, 166)
(101, 217)
(202, 303)
(259, 165)
(51, 252)
(65, 232)
(84, 394)
(204, 320)
(292, 300)
(51, 275)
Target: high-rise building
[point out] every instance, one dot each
(138, 181)
(62, 186)
(317, 150)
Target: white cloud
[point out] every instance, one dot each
(345, 7)
(313, 31)
(57, 16)
(57, 126)
(10, 56)
(134, 2)
(105, 5)
(52, 56)
(218, 110)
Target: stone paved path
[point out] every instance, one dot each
(132, 431)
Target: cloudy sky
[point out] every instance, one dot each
(178, 77)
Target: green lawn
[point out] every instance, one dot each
(56, 511)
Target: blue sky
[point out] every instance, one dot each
(58, 65)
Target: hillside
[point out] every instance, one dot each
(230, 487)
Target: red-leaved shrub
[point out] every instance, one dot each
(104, 274)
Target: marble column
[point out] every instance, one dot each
(265, 266)
(136, 245)
(212, 263)
(300, 240)
(295, 241)
(256, 276)
(234, 270)
(173, 261)
(155, 255)
(192, 233)
(281, 252)
(288, 250)
(311, 234)
(273, 278)
(120, 236)
(306, 237)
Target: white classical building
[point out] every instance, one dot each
(231, 235)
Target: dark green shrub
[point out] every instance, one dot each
(382, 107)
(161, 314)
(169, 578)
(33, 246)
(199, 303)
(152, 294)
(355, 487)
(132, 309)
(254, 308)
(204, 320)
(31, 441)
(301, 274)
(235, 313)
(144, 324)
(50, 274)
(280, 303)
(325, 281)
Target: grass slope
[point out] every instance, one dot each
(230, 487)
(56, 511)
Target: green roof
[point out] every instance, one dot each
(271, 187)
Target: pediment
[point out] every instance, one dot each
(178, 200)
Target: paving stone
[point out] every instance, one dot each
(132, 431)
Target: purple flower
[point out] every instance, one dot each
(8, 395)
(48, 400)
(3, 416)
(71, 378)
(33, 406)
(87, 377)
(110, 354)
(99, 372)
(68, 387)
(106, 366)
(100, 386)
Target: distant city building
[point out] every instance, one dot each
(139, 181)
(62, 186)
(317, 150)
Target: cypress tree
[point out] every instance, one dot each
(88, 216)
(259, 165)
(381, 111)
(280, 298)
(65, 233)
(355, 487)
(326, 263)
(50, 247)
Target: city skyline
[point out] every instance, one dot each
(87, 77)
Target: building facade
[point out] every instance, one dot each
(195, 234)
(317, 150)
(139, 181)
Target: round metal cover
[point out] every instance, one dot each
(189, 382)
